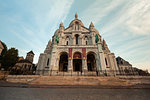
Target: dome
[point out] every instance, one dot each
(76, 20)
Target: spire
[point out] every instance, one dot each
(49, 43)
(76, 16)
(61, 25)
(104, 43)
(91, 25)
(105, 47)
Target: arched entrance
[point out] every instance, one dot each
(77, 62)
(63, 62)
(91, 62)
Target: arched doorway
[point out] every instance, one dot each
(91, 62)
(77, 62)
(63, 62)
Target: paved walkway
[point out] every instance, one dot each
(25, 85)
(9, 93)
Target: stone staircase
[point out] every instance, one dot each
(79, 80)
(21, 78)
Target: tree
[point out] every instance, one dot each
(10, 58)
(3, 51)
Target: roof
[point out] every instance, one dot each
(121, 61)
(24, 61)
(76, 20)
(31, 52)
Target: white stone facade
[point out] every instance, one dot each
(85, 54)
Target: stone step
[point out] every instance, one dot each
(79, 80)
(21, 78)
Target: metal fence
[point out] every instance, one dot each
(89, 73)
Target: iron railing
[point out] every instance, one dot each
(89, 73)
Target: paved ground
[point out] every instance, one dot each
(13, 93)
(25, 85)
(25, 91)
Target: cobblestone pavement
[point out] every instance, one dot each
(13, 93)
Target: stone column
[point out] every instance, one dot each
(70, 67)
(101, 66)
(57, 64)
(84, 66)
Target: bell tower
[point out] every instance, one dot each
(30, 56)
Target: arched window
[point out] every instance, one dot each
(29, 67)
(47, 61)
(67, 40)
(77, 38)
(25, 66)
(67, 43)
(106, 61)
(86, 40)
(121, 61)
(76, 26)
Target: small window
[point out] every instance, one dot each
(76, 26)
(25, 67)
(85, 37)
(106, 61)
(121, 62)
(48, 62)
(29, 66)
(77, 38)
(67, 43)
(86, 42)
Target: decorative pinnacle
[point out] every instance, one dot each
(76, 16)
(91, 25)
(104, 43)
(61, 24)
(49, 42)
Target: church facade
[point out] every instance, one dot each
(77, 49)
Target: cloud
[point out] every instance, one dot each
(99, 9)
(133, 16)
(36, 24)
(24, 39)
(138, 20)
(57, 13)
(54, 14)
(125, 26)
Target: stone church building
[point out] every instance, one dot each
(77, 49)
(24, 66)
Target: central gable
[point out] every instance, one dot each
(76, 26)
(82, 30)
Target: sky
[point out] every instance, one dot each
(124, 24)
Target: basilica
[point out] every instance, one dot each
(77, 49)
